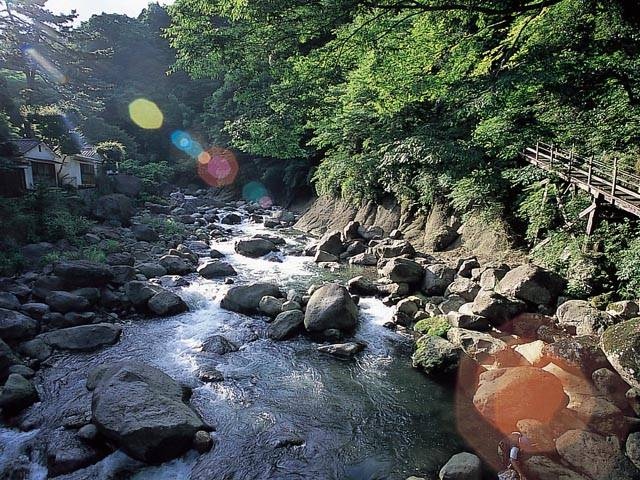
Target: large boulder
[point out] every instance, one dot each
(437, 278)
(215, 269)
(507, 395)
(435, 355)
(495, 307)
(621, 344)
(532, 284)
(64, 302)
(151, 269)
(16, 326)
(594, 455)
(176, 265)
(9, 301)
(255, 247)
(7, 359)
(142, 411)
(231, 219)
(401, 270)
(543, 468)
(362, 285)
(83, 337)
(128, 185)
(144, 233)
(17, 394)
(83, 273)
(114, 208)
(344, 351)
(139, 292)
(246, 298)
(395, 248)
(576, 354)
(286, 325)
(463, 287)
(330, 307)
(331, 243)
(166, 303)
(218, 345)
(581, 318)
(462, 466)
(271, 306)
(483, 347)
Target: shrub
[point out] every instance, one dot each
(11, 262)
(628, 274)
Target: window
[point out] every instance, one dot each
(87, 174)
(44, 173)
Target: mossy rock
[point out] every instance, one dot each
(435, 326)
(621, 345)
(435, 355)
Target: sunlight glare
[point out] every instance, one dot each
(146, 114)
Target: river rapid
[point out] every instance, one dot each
(283, 411)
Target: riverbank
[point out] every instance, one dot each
(265, 380)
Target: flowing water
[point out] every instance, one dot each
(284, 411)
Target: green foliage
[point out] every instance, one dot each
(166, 226)
(628, 271)
(10, 262)
(434, 326)
(91, 253)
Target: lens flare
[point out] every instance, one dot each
(49, 68)
(265, 202)
(254, 191)
(183, 141)
(218, 167)
(146, 114)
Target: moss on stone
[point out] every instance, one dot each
(434, 326)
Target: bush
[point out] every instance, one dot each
(11, 262)
(628, 274)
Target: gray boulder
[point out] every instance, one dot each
(7, 359)
(581, 318)
(151, 270)
(144, 233)
(464, 287)
(139, 292)
(532, 284)
(216, 268)
(330, 307)
(495, 307)
(83, 273)
(578, 355)
(142, 411)
(621, 344)
(437, 278)
(231, 219)
(64, 302)
(219, 345)
(116, 208)
(34, 252)
(271, 306)
(462, 466)
(175, 265)
(331, 243)
(364, 259)
(395, 248)
(83, 337)
(286, 325)
(121, 258)
(435, 355)
(9, 301)
(342, 350)
(16, 326)
(255, 247)
(17, 394)
(166, 303)
(401, 270)
(361, 285)
(128, 185)
(322, 257)
(246, 298)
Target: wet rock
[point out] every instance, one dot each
(350, 231)
(471, 322)
(115, 208)
(219, 345)
(9, 301)
(72, 319)
(507, 395)
(540, 437)
(139, 292)
(83, 273)
(362, 286)
(7, 359)
(123, 274)
(141, 410)
(276, 240)
(17, 394)
(202, 441)
(16, 326)
(435, 355)
(462, 466)
(151, 270)
(210, 374)
(271, 306)
(330, 306)
(342, 350)
(464, 287)
(35, 310)
(364, 259)
(246, 298)
(579, 317)
(36, 349)
(64, 302)
(576, 354)
(632, 448)
(144, 233)
(395, 248)
(483, 347)
(66, 453)
(171, 281)
(255, 247)
(610, 385)
(231, 219)
(331, 243)
(215, 269)
(176, 265)
(539, 467)
(401, 270)
(496, 307)
(594, 455)
(621, 344)
(88, 433)
(532, 284)
(83, 337)
(437, 278)
(322, 256)
(286, 325)
(166, 303)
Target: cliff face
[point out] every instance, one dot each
(424, 231)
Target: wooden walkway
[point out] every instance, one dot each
(605, 181)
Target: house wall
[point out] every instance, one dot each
(70, 172)
(28, 177)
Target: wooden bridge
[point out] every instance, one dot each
(605, 181)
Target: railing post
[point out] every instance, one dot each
(615, 176)
(590, 170)
(570, 162)
(551, 157)
(537, 150)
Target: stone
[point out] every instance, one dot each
(632, 448)
(46, 284)
(176, 265)
(246, 298)
(35, 310)
(496, 307)
(623, 310)
(507, 395)
(533, 352)
(543, 468)
(17, 394)
(16, 326)
(437, 278)
(329, 307)
(141, 410)
(322, 256)
(466, 266)
(66, 453)
(7, 359)
(231, 219)
(621, 345)
(540, 438)
(490, 277)
(202, 441)
(219, 345)
(594, 455)
(610, 385)
(255, 247)
(123, 274)
(128, 185)
(483, 347)
(144, 233)
(527, 325)
(576, 354)
(371, 232)
(452, 303)
(166, 303)
(286, 325)
(83, 273)
(215, 269)
(462, 466)
(9, 301)
(139, 292)
(408, 306)
(364, 259)
(443, 238)
(83, 337)
(88, 432)
(331, 243)
(34, 252)
(115, 208)
(64, 302)
(463, 287)
(151, 269)
(395, 248)
(532, 284)
(342, 350)
(361, 285)
(468, 321)
(402, 270)
(354, 247)
(350, 231)
(271, 306)
(292, 305)
(435, 356)
(121, 258)
(36, 349)
(579, 317)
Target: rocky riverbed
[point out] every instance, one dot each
(241, 348)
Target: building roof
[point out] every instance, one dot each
(23, 145)
(90, 152)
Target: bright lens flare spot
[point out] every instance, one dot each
(204, 158)
(220, 169)
(145, 114)
(254, 191)
(49, 68)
